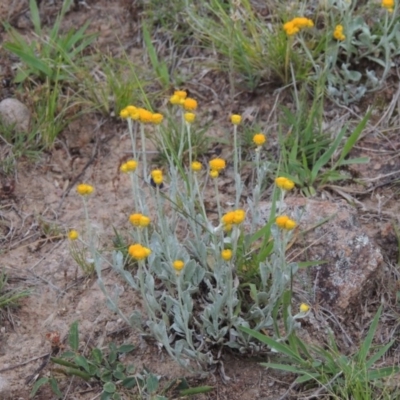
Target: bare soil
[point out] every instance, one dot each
(38, 205)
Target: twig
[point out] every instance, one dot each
(23, 363)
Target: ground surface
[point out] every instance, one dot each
(37, 208)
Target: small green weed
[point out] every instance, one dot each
(52, 57)
(343, 377)
(114, 377)
(9, 297)
(307, 152)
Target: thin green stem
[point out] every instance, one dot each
(217, 197)
(133, 137)
(144, 158)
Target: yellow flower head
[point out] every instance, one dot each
(239, 216)
(181, 94)
(259, 139)
(157, 118)
(138, 252)
(196, 166)
(129, 166)
(133, 112)
(227, 227)
(157, 176)
(84, 190)
(73, 234)
(217, 164)
(284, 222)
(189, 117)
(292, 27)
(338, 33)
(145, 116)
(190, 104)
(226, 254)
(214, 174)
(236, 119)
(178, 266)
(388, 4)
(124, 113)
(139, 220)
(304, 307)
(284, 183)
(174, 99)
(234, 217)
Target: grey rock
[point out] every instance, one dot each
(4, 388)
(352, 258)
(15, 113)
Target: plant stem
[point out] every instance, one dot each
(144, 159)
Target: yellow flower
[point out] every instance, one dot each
(178, 266)
(239, 216)
(129, 166)
(236, 119)
(284, 183)
(181, 94)
(304, 307)
(233, 217)
(139, 220)
(227, 227)
(157, 176)
(138, 252)
(292, 27)
(284, 222)
(227, 219)
(217, 164)
(302, 22)
(73, 234)
(388, 4)
(175, 99)
(133, 112)
(157, 118)
(196, 166)
(124, 113)
(190, 104)
(338, 33)
(145, 116)
(226, 254)
(84, 190)
(259, 139)
(189, 117)
(214, 173)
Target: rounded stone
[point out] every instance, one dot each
(14, 113)
(4, 387)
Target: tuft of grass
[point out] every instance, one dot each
(9, 298)
(311, 156)
(341, 376)
(49, 57)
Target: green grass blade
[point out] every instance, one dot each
(35, 16)
(38, 384)
(73, 336)
(378, 355)
(324, 159)
(382, 372)
(365, 346)
(282, 348)
(29, 59)
(358, 160)
(351, 141)
(160, 68)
